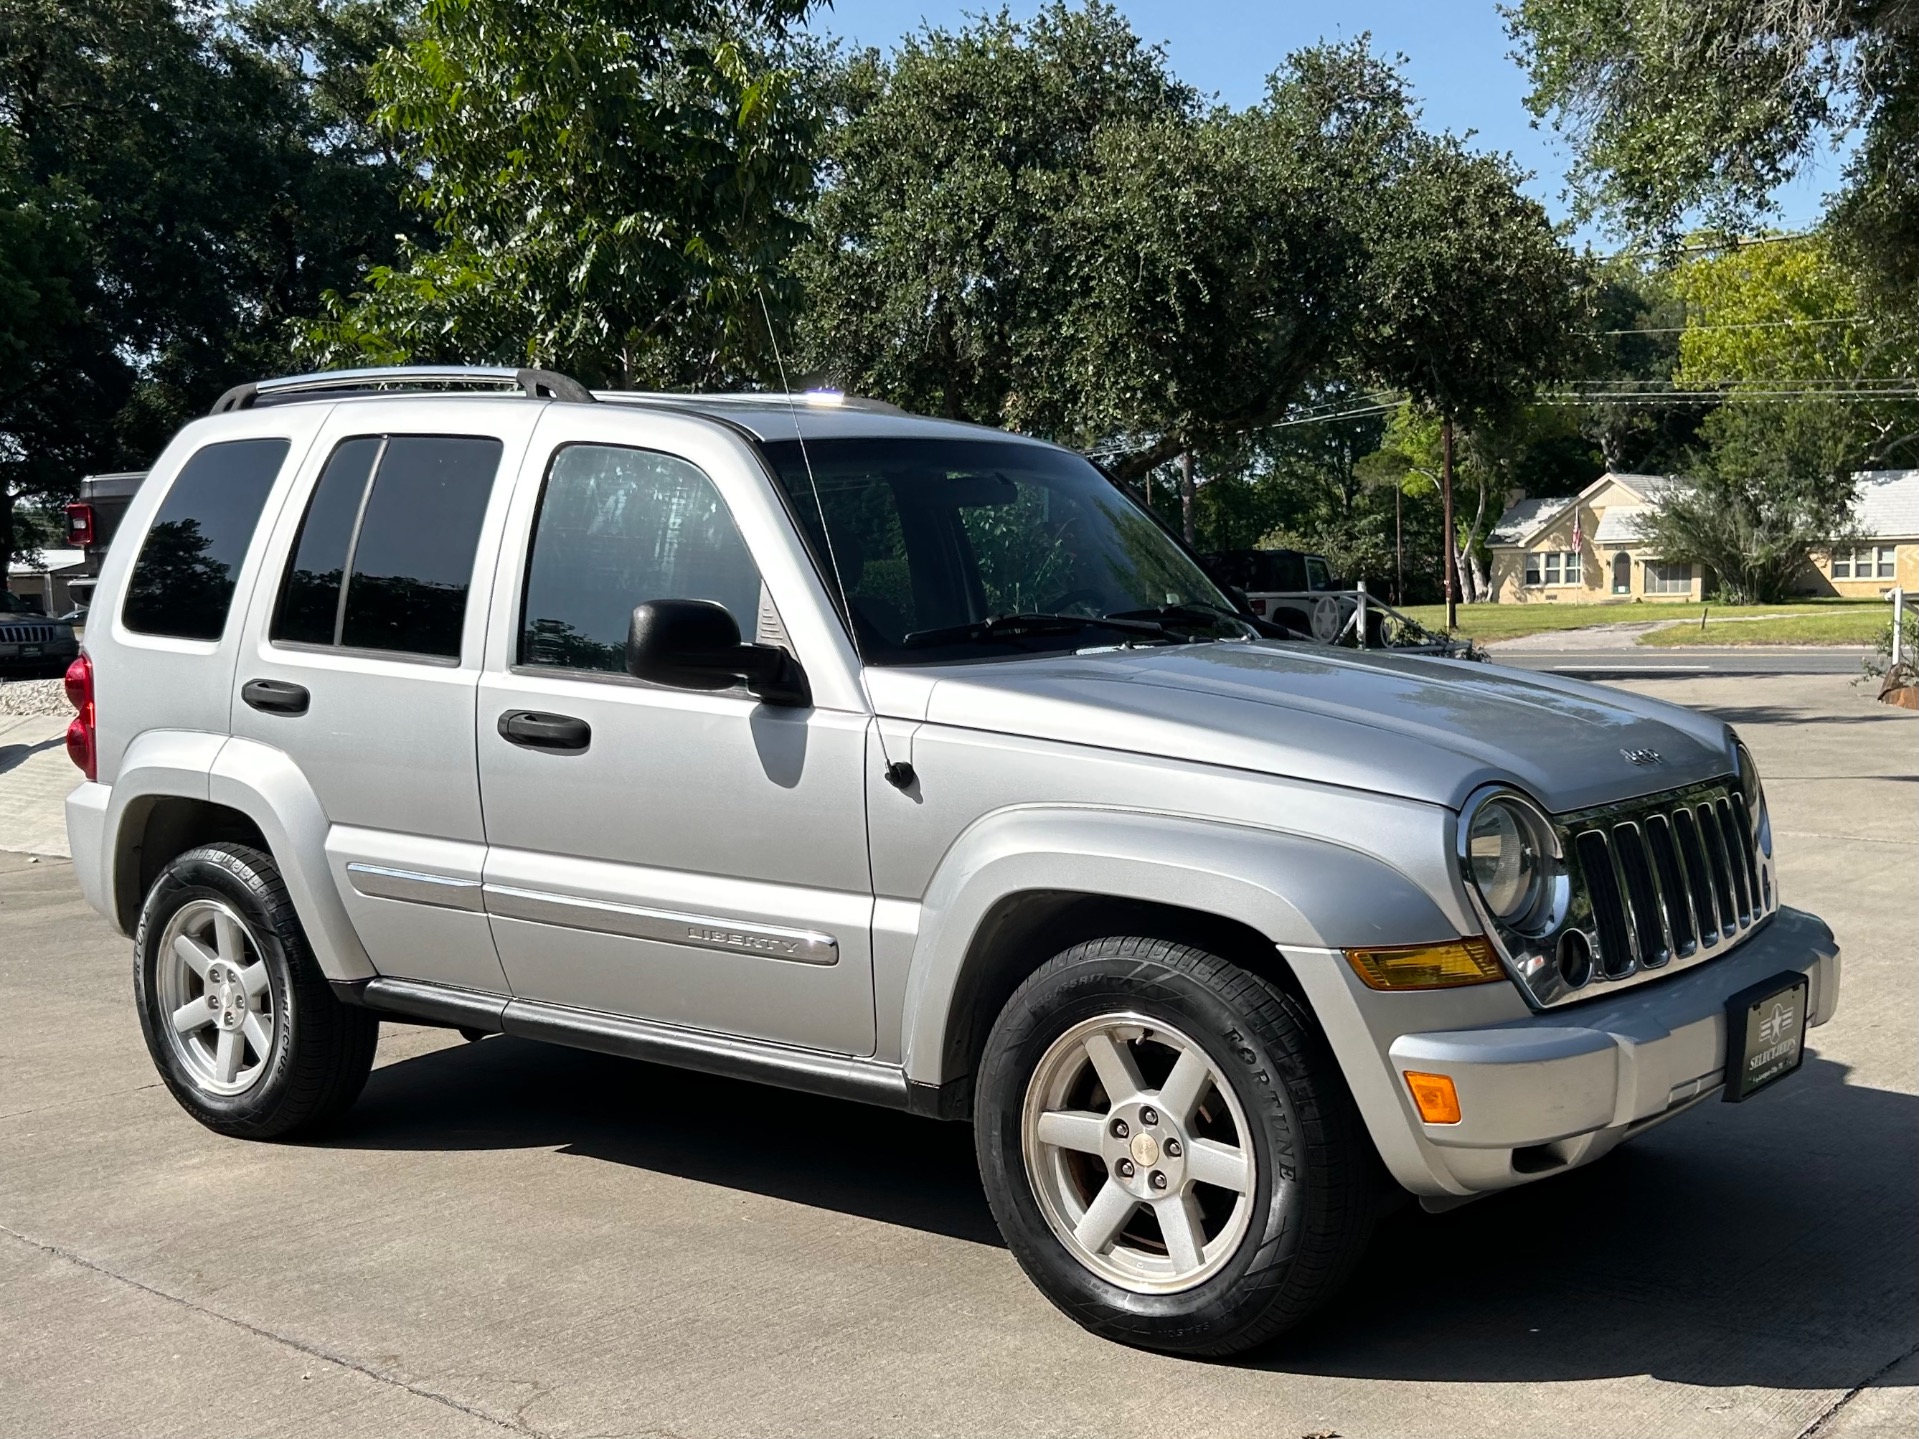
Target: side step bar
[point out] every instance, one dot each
(837, 1075)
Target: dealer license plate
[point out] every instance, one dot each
(29, 651)
(1765, 1034)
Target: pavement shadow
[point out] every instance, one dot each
(1793, 715)
(12, 756)
(505, 1093)
(1752, 1244)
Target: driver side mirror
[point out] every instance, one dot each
(695, 645)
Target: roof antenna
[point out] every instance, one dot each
(899, 773)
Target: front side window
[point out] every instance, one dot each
(1842, 564)
(971, 549)
(1552, 567)
(384, 559)
(618, 527)
(183, 580)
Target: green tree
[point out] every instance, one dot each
(1474, 299)
(613, 185)
(209, 181)
(1708, 106)
(1036, 225)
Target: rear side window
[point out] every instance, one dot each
(384, 559)
(182, 582)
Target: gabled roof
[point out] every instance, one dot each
(1887, 504)
(1620, 524)
(1527, 518)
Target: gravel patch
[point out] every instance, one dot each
(33, 697)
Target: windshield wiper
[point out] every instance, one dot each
(1020, 626)
(1191, 612)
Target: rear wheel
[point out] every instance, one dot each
(1169, 1149)
(237, 1015)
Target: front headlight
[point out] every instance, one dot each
(1510, 858)
(1754, 794)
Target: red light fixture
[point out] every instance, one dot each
(80, 744)
(79, 525)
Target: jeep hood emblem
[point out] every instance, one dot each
(1642, 756)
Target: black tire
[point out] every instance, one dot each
(1304, 1237)
(321, 1051)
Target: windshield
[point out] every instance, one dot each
(973, 549)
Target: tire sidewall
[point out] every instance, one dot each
(1260, 1077)
(225, 877)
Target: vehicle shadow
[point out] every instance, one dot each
(1754, 715)
(1771, 1243)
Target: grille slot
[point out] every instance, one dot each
(1635, 867)
(1719, 868)
(1609, 905)
(1672, 885)
(1673, 877)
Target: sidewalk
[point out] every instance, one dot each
(35, 779)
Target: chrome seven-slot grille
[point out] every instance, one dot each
(1678, 876)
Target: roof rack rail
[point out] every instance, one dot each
(534, 384)
(695, 399)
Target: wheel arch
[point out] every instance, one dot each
(1025, 884)
(178, 789)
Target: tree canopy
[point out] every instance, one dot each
(613, 188)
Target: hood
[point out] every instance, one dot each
(1407, 725)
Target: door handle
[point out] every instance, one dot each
(532, 730)
(275, 696)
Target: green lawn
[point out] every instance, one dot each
(1487, 623)
(1857, 624)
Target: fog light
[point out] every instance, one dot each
(1427, 966)
(1434, 1096)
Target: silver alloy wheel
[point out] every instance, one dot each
(1149, 1183)
(216, 999)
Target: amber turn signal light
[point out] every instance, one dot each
(1435, 1097)
(1427, 966)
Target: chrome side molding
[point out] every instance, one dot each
(802, 946)
(378, 881)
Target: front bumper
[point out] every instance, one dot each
(1539, 1093)
(47, 656)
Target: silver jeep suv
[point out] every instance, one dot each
(804, 740)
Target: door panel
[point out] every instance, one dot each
(374, 601)
(696, 858)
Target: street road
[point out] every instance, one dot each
(506, 1239)
(1731, 660)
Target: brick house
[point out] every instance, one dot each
(1586, 549)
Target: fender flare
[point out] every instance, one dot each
(1298, 892)
(259, 782)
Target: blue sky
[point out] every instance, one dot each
(1457, 56)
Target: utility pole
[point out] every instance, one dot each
(1186, 494)
(1446, 485)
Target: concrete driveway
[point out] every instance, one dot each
(505, 1238)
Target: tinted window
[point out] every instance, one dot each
(618, 527)
(309, 610)
(182, 582)
(405, 546)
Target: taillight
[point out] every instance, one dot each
(79, 525)
(80, 745)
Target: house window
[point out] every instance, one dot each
(1668, 579)
(1552, 567)
(1865, 563)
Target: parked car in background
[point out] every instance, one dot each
(32, 644)
(888, 758)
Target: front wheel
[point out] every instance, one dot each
(238, 1016)
(1169, 1149)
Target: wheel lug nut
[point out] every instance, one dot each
(1156, 1179)
(1171, 1147)
(1149, 1116)
(1120, 1131)
(1124, 1168)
